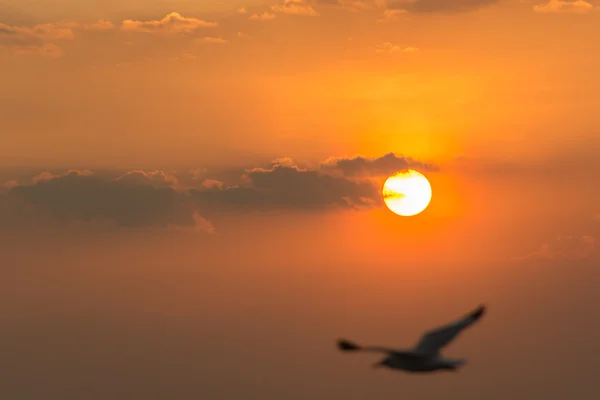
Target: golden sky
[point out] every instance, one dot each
(191, 187)
(175, 81)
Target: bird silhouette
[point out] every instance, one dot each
(426, 355)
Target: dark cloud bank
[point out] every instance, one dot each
(140, 199)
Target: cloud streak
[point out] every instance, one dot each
(379, 166)
(564, 248)
(394, 8)
(264, 16)
(213, 40)
(354, 5)
(172, 24)
(42, 39)
(439, 6)
(296, 7)
(37, 40)
(564, 6)
(390, 48)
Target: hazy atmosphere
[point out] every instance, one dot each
(191, 197)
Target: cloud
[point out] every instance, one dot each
(100, 25)
(187, 56)
(51, 32)
(94, 224)
(40, 39)
(242, 11)
(564, 6)
(36, 40)
(564, 248)
(288, 187)
(285, 161)
(213, 40)
(390, 48)
(46, 176)
(212, 184)
(265, 16)
(380, 166)
(9, 184)
(391, 15)
(173, 23)
(335, 183)
(394, 8)
(296, 7)
(355, 5)
(181, 201)
(200, 225)
(157, 179)
(46, 50)
(137, 200)
(438, 6)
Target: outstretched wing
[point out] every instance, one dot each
(433, 341)
(346, 345)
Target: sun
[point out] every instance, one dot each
(407, 193)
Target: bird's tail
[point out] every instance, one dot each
(456, 364)
(346, 345)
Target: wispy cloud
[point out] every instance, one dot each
(173, 23)
(157, 179)
(264, 16)
(44, 50)
(101, 25)
(213, 40)
(38, 40)
(355, 5)
(390, 48)
(391, 15)
(200, 225)
(564, 247)
(296, 7)
(565, 6)
(44, 39)
(377, 166)
(438, 6)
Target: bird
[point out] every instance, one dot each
(426, 355)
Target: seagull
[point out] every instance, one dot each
(426, 355)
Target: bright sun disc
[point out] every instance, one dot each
(407, 193)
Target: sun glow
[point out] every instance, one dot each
(407, 193)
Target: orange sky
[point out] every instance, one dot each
(213, 84)
(190, 196)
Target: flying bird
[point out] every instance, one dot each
(426, 355)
